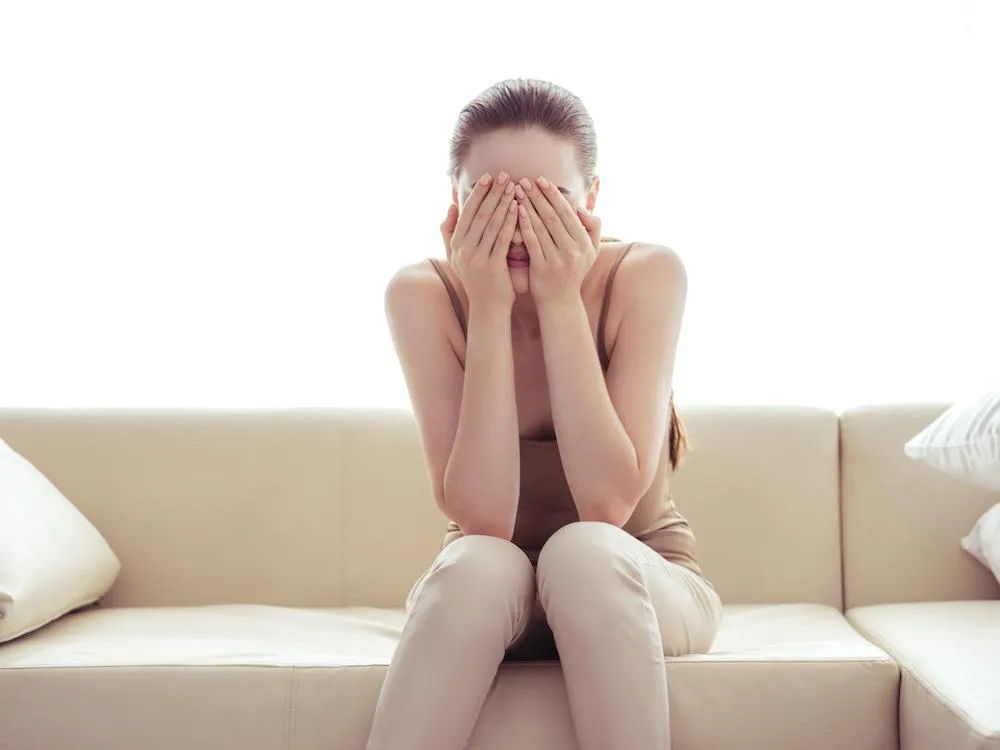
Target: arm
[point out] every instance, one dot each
(611, 431)
(467, 420)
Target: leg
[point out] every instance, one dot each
(615, 608)
(471, 604)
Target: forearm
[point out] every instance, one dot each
(482, 478)
(599, 459)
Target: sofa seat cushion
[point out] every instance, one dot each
(780, 676)
(949, 654)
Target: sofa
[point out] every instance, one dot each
(266, 556)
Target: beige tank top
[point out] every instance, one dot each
(545, 503)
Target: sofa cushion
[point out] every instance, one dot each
(782, 676)
(949, 653)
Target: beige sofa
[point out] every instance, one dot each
(266, 555)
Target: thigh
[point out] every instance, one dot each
(688, 610)
(487, 560)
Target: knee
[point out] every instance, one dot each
(479, 574)
(586, 558)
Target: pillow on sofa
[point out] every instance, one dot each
(52, 560)
(964, 441)
(983, 543)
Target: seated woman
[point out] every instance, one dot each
(539, 358)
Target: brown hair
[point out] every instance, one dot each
(522, 103)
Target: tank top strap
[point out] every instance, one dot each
(456, 303)
(602, 321)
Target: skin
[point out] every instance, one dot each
(530, 367)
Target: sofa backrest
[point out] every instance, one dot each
(760, 489)
(903, 520)
(331, 507)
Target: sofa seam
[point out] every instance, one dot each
(300, 667)
(907, 668)
(292, 696)
(841, 549)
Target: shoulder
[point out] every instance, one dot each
(413, 286)
(650, 272)
(415, 298)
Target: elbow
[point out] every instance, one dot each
(488, 528)
(614, 507)
(615, 512)
(482, 524)
(468, 514)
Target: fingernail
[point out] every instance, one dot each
(523, 212)
(485, 179)
(543, 183)
(509, 189)
(519, 192)
(526, 183)
(502, 178)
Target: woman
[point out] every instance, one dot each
(545, 410)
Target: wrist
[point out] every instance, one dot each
(560, 305)
(489, 313)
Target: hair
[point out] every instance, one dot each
(522, 103)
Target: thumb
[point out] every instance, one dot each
(591, 223)
(448, 228)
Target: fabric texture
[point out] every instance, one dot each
(964, 441)
(52, 559)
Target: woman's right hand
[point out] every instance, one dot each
(477, 239)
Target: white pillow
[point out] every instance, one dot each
(964, 441)
(983, 543)
(52, 560)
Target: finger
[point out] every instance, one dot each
(548, 215)
(477, 231)
(564, 210)
(590, 223)
(472, 203)
(506, 234)
(495, 223)
(545, 240)
(536, 254)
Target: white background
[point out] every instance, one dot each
(201, 202)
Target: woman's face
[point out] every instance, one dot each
(529, 153)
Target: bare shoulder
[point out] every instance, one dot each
(416, 299)
(650, 269)
(651, 281)
(414, 286)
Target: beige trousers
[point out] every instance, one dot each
(610, 605)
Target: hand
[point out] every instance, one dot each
(561, 239)
(477, 238)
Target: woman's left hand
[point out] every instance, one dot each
(562, 240)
